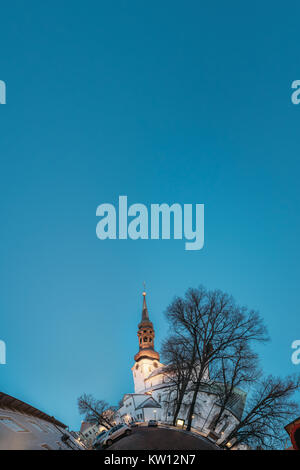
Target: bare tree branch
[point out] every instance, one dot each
(95, 411)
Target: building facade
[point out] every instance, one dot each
(88, 433)
(23, 427)
(154, 393)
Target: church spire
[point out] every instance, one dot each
(145, 314)
(146, 334)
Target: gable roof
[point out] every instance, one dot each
(127, 396)
(149, 403)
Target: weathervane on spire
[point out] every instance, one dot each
(144, 293)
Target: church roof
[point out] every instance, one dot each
(149, 403)
(236, 402)
(132, 394)
(147, 353)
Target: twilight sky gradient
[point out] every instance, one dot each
(171, 101)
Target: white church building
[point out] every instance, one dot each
(154, 393)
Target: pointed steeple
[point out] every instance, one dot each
(146, 335)
(145, 314)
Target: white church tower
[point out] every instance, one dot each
(147, 359)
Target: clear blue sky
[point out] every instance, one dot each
(172, 101)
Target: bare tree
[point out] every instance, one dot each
(179, 373)
(269, 408)
(238, 370)
(95, 411)
(212, 324)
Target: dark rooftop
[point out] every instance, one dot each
(11, 403)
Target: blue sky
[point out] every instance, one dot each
(171, 101)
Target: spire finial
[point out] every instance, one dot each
(145, 315)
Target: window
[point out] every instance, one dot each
(159, 398)
(36, 426)
(49, 428)
(145, 340)
(46, 447)
(213, 422)
(225, 423)
(150, 340)
(225, 426)
(13, 425)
